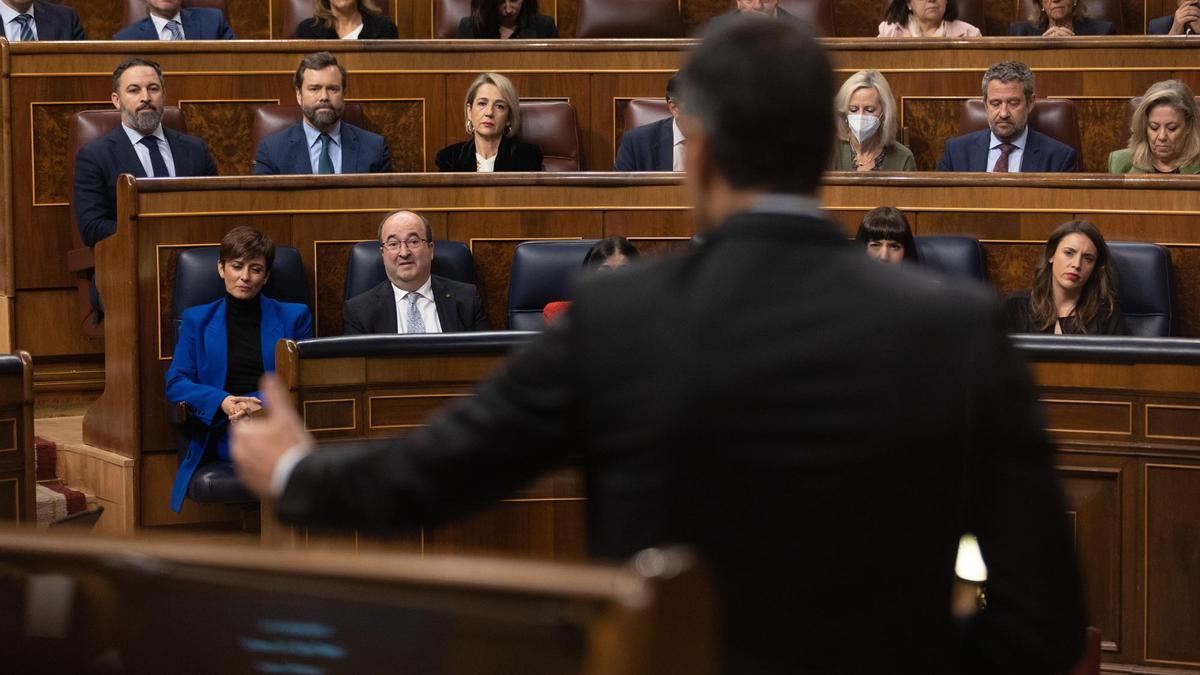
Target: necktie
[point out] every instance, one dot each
(156, 158)
(1002, 161)
(415, 323)
(26, 29)
(175, 29)
(325, 164)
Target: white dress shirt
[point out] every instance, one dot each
(313, 137)
(1014, 156)
(678, 147)
(160, 26)
(353, 35)
(485, 165)
(143, 153)
(12, 28)
(425, 305)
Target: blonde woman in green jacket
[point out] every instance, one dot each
(1164, 133)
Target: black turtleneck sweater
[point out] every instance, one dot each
(243, 328)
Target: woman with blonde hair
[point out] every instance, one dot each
(866, 127)
(347, 20)
(493, 120)
(1164, 134)
(1060, 18)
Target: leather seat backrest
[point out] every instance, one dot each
(197, 281)
(629, 19)
(296, 11)
(819, 13)
(970, 11)
(136, 10)
(1055, 117)
(1104, 10)
(952, 256)
(642, 111)
(364, 267)
(553, 127)
(447, 14)
(1144, 272)
(542, 272)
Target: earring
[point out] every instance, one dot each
(470, 127)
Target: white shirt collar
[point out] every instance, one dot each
(425, 291)
(136, 136)
(676, 134)
(1019, 141)
(8, 13)
(161, 23)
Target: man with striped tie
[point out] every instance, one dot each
(167, 21)
(31, 20)
(412, 299)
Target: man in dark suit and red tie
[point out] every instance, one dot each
(1008, 145)
(819, 427)
(38, 20)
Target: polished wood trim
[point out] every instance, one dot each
(1163, 406)
(371, 408)
(353, 413)
(1145, 586)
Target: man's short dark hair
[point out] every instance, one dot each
(763, 93)
(424, 221)
(318, 61)
(130, 63)
(247, 243)
(673, 90)
(1009, 71)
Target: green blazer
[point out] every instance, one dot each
(1121, 161)
(896, 158)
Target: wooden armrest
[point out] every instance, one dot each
(81, 259)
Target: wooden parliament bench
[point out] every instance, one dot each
(88, 604)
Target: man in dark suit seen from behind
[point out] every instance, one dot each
(657, 146)
(823, 455)
(30, 20)
(1185, 20)
(322, 142)
(412, 299)
(169, 21)
(1008, 145)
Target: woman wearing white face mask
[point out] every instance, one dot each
(866, 115)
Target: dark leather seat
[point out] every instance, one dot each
(553, 127)
(542, 272)
(629, 19)
(197, 283)
(1145, 287)
(953, 256)
(643, 111)
(271, 118)
(1104, 10)
(87, 126)
(819, 13)
(136, 10)
(970, 11)
(364, 266)
(1055, 117)
(447, 14)
(296, 11)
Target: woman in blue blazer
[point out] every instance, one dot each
(224, 348)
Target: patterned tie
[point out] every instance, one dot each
(325, 163)
(1002, 161)
(415, 323)
(156, 158)
(26, 29)
(175, 29)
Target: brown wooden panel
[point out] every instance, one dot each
(249, 18)
(45, 323)
(1172, 541)
(10, 498)
(930, 121)
(1185, 280)
(225, 127)
(331, 270)
(8, 435)
(1100, 130)
(100, 18)
(401, 411)
(1090, 417)
(696, 13)
(157, 474)
(402, 123)
(1175, 422)
(1094, 503)
(611, 93)
(331, 414)
(51, 184)
(536, 529)
(1011, 267)
(457, 375)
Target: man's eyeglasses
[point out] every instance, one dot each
(413, 243)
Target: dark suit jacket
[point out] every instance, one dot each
(1088, 26)
(538, 26)
(98, 164)
(969, 152)
(287, 152)
(56, 22)
(790, 443)
(197, 374)
(375, 27)
(200, 23)
(1162, 25)
(1016, 307)
(513, 156)
(649, 147)
(459, 309)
